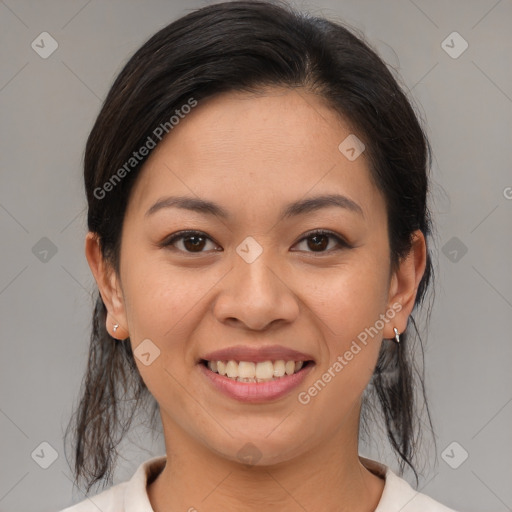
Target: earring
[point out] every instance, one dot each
(397, 335)
(116, 327)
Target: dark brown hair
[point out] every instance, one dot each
(244, 46)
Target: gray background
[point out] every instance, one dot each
(47, 109)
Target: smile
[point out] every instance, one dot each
(248, 371)
(261, 381)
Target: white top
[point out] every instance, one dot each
(131, 496)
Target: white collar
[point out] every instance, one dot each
(397, 496)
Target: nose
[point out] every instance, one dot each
(255, 295)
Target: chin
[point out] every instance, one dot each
(261, 449)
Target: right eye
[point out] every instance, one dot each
(189, 241)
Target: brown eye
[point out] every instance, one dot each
(189, 242)
(194, 243)
(318, 241)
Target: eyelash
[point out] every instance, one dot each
(341, 243)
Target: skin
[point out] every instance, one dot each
(253, 154)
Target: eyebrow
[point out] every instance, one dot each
(300, 207)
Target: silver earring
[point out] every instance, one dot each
(397, 335)
(116, 327)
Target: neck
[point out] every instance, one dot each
(328, 477)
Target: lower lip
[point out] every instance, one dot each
(256, 391)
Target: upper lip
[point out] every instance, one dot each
(248, 353)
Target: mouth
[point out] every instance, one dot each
(256, 371)
(255, 382)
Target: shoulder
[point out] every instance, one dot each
(398, 495)
(404, 498)
(129, 496)
(106, 501)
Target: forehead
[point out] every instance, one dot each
(252, 151)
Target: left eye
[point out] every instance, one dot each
(318, 241)
(195, 241)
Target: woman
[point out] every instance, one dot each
(258, 224)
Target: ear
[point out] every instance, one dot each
(109, 287)
(404, 284)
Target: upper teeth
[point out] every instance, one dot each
(264, 370)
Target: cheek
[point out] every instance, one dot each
(162, 299)
(165, 305)
(348, 299)
(349, 306)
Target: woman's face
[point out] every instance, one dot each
(254, 276)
